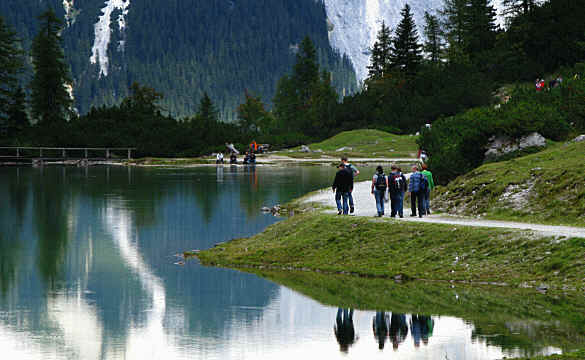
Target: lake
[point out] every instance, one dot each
(88, 270)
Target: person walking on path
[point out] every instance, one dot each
(397, 187)
(379, 186)
(342, 187)
(416, 188)
(354, 173)
(427, 194)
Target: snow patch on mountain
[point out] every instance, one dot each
(103, 33)
(70, 12)
(355, 24)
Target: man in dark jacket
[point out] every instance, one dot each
(416, 187)
(397, 186)
(342, 186)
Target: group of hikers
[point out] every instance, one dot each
(392, 326)
(384, 187)
(249, 156)
(540, 84)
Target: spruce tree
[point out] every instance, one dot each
(406, 51)
(11, 65)
(434, 44)
(480, 34)
(51, 101)
(306, 69)
(513, 8)
(454, 17)
(381, 52)
(17, 118)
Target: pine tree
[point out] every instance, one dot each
(513, 8)
(11, 65)
(51, 100)
(433, 45)
(17, 118)
(252, 115)
(306, 69)
(381, 52)
(454, 16)
(406, 51)
(480, 34)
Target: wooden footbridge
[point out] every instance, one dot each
(40, 155)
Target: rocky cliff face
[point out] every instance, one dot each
(354, 24)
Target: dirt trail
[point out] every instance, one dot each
(365, 205)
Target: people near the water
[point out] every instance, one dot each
(253, 147)
(539, 84)
(398, 329)
(342, 187)
(427, 193)
(233, 158)
(344, 329)
(396, 188)
(354, 173)
(219, 158)
(249, 158)
(379, 187)
(417, 188)
(380, 324)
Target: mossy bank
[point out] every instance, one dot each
(546, 187)
(407, 250)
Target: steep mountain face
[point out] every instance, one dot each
(354, 24)
(183, 48)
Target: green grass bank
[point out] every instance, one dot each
(365, 143)
(546, 187)
(387, 249)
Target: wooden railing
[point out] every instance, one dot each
(61, 153)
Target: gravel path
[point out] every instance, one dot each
(365, 205)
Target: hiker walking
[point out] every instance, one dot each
(354, 173)
(417, 187)
(342, 187)
(379, 186)
(397, 187)
(427, 194)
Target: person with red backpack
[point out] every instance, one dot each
(396, 187)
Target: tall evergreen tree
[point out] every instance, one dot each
(381, 52)
(11, 65)
(252, 115)
(480, 34)
(17, 118)
(306, 69)
(513, 8)
(51, 100)
(406, 51)
(433, 45)
(454, 17)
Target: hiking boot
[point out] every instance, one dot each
(351, 210)
(401, 216)
(412, 215)
(428, 212)
(338, 212)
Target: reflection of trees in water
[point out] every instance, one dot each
(9, 254)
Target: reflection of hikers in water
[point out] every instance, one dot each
(344, 330)
(421, 327)
(398, 329)
(380, 327)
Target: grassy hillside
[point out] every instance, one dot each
(365, 247)
(366, 143)
(545, 187)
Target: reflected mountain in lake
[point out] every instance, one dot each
(87, 271)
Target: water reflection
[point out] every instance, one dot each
(87, 272)
(344, 330)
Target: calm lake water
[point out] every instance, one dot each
(87, 271)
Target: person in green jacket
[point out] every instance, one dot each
(427, 194)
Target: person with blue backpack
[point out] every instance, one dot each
(417, 186)
(379, 186)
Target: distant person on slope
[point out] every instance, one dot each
(354, 172)
(219, 158)
(417, 187)
(397, 187)
(427, 194)
(379, 186)
(342, 187)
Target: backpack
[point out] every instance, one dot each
(381, 182)
(424, 183)
(396, 183)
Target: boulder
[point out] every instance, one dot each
(305, 149)
(502, 145)
(345, 148)
(579, 138)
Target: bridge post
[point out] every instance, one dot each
(107, 154)
(129, 154)
(63, 153)
(85, 153)
(41, 153)
(17, 152)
